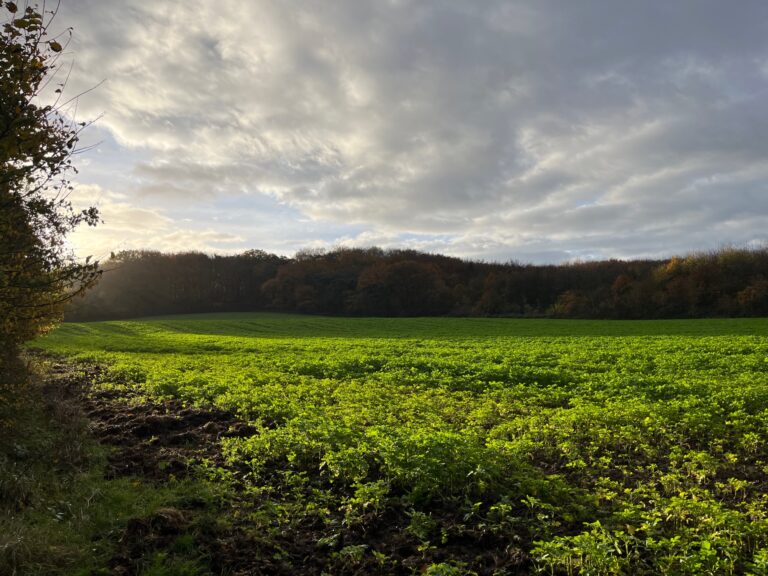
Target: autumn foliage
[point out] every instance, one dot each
(375, 282)
(37, 142)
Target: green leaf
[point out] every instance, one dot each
(55, 46)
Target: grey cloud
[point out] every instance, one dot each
(598, 127)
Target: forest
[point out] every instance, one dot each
(377, 282)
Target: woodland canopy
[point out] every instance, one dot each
(375, 282)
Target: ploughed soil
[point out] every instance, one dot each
(159, 441)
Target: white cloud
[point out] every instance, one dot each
(514, 128)
(125, 226)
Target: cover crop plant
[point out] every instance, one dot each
(491, 446)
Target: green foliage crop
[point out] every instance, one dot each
(578, 447)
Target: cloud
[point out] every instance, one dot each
(513, 128)
(125, 226)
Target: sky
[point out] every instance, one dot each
(536, 131)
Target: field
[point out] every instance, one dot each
(460, 446)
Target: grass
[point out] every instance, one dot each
(466, 446)
(59, 514)
(301, 326)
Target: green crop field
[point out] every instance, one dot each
(489, 446)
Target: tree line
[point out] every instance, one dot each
(376, 282)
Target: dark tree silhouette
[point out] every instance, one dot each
(375, 282)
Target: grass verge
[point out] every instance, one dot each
(61, 510)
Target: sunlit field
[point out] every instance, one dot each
(495, 446)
